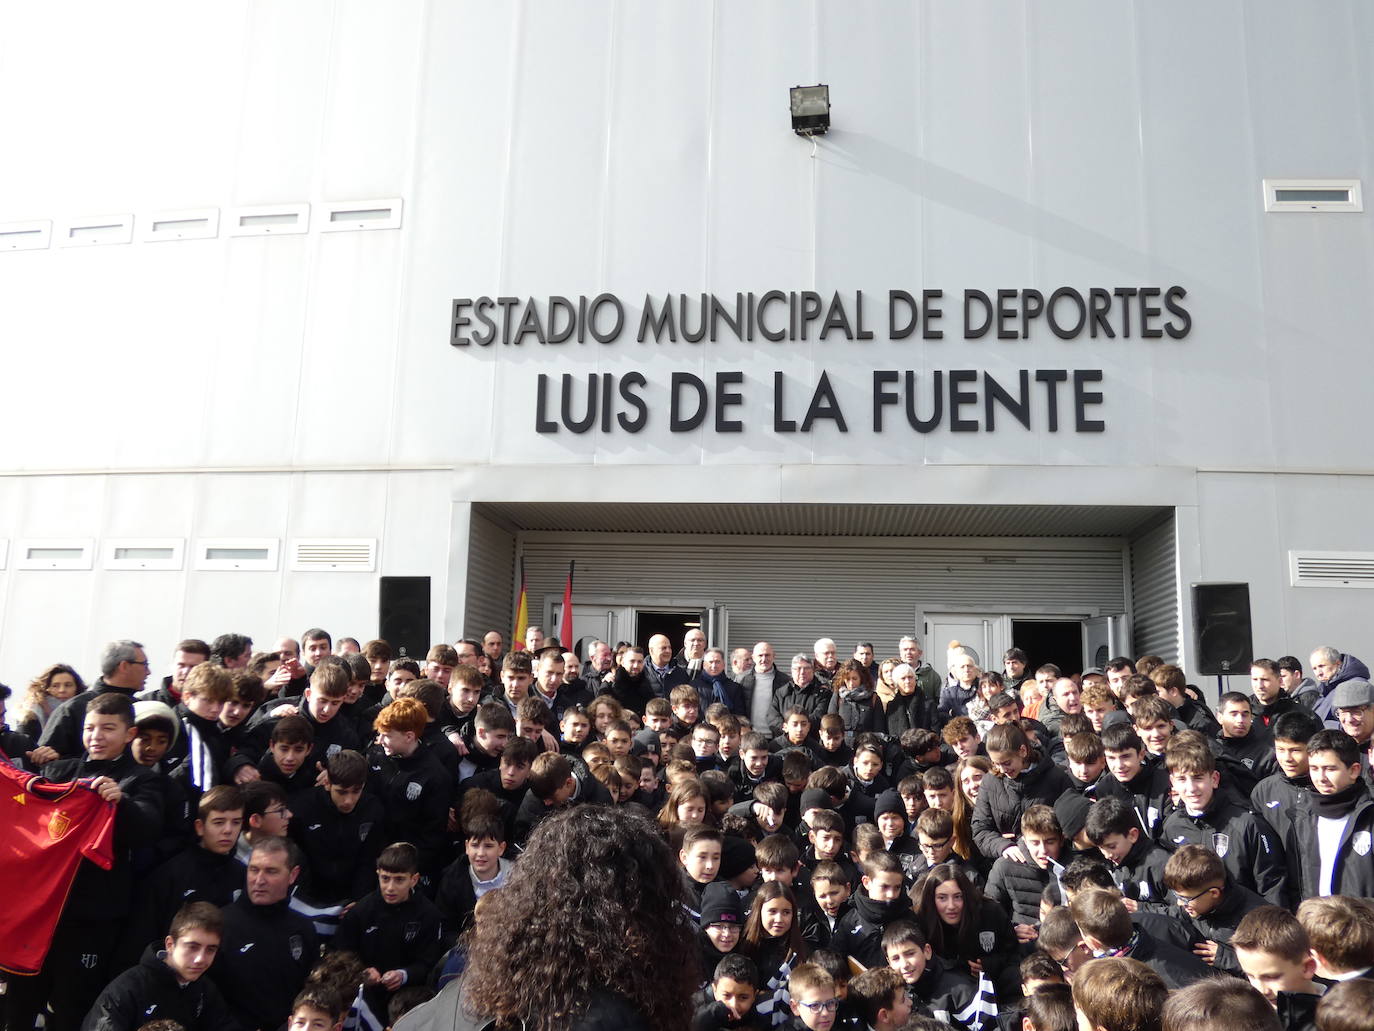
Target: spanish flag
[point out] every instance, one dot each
(565, 623)
(522, 613)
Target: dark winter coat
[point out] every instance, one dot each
(1140, 875)
(1245, 842)
(1017, 887)
(859, 932)
(264, 957)
(401, 936)
(1351, 669)
(856, 708)
(1279, 799)
(1353, 873)
(416, 792)
(813, 699)
(341, 849)
(1177, 969)
(62, 731)
(151, 991)
(1220, 924)
(954, 701)
(1002, 802)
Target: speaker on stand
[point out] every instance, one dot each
(403, 615)
(1221, 629)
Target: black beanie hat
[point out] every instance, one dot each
(816, 798)
(1072, 812)
(889, 802)
(736, 856)
(720, 904)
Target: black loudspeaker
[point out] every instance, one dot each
(1221, 629)
(403, 615)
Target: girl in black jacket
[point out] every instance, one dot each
(967, 930)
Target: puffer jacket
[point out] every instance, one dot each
(1017, 887)
(1002, 802)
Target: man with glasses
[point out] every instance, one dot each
(123, 669)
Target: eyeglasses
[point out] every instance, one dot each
(933, 846)
(137, 662)
(829, 1006)
(277, 811)
(1065, 961)
(1193, 898)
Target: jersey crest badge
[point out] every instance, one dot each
(90, 960)
(364, 829)
(1145, 890)
(1249, 762)
(987, 939)
(412, 929)
(333, 750)
(1220, 843)
(413, 791)
(297, 946)
(1361, 842)
(58, 824)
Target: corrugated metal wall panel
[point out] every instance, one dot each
(791, 592)
(491, 559)
(1154, 592)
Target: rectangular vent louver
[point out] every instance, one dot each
(1331, 568)
(334, 554)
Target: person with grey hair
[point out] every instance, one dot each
(827, 659)
(1331, 668)
(927, 678)
(123, 669)
(804, 692)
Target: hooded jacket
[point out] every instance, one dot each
(1002, 801)
(151, 991)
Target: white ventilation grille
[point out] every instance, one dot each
(1331, 568)
(334, 554)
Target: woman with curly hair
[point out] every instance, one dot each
(44, 694)
(589, 933)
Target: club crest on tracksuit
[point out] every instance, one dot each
(1220, 843)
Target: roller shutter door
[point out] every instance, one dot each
(790, 590)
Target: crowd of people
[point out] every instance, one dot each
(322, 834)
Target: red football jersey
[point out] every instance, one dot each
(48, 829)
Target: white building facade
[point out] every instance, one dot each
(1020, 350)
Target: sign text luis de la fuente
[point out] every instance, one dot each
(963, 399)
